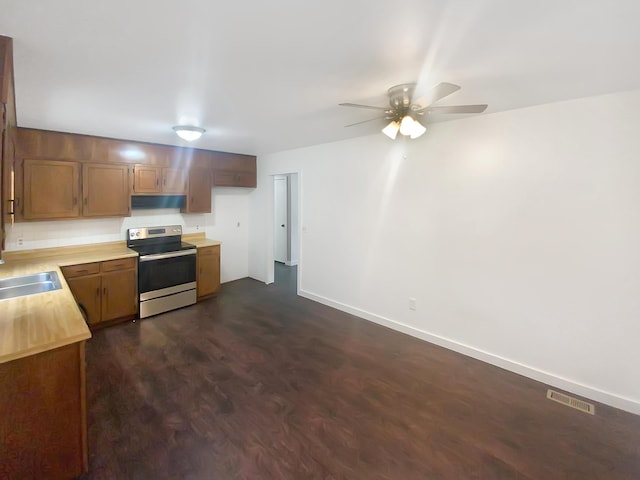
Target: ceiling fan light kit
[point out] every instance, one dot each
(188, 132)
(417, 130)
(404, 112)
(407, 125)
(391, 130)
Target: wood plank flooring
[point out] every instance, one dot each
(261, 384)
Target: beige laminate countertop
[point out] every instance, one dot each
(199, 240)
(37, 323)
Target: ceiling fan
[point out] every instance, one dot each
(404, 112)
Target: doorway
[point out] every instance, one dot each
(285, 227)
(285, 219)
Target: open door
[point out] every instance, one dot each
(281, 227)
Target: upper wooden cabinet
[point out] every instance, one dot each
(7, 132)
(174, 181)
(33, 143)
(230, 178)
(230, 169)
(234, 170)
(51, 189)
(146, 179)
(106, 190)
(199, 195)
(159, 180)
(102, 173)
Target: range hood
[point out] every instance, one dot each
(158, 201)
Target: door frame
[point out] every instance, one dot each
(270, 267)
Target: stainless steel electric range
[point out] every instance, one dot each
(166, 268)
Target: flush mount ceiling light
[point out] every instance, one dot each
(188, 132)
(405, 110)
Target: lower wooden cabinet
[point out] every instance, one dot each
(43, 428)
(208, 271)
(87, 292)
(105, 290)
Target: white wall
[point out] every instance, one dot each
(230, 208)
(518, 234)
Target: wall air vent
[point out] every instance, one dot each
(571, 402)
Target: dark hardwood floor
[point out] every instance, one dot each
(261, 384)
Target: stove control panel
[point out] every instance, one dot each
(154, 232)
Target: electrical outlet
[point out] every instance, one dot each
(197, 228)
(412, 303)
(20, 241)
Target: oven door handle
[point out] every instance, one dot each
(160, 256)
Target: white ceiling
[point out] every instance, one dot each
(264, 76)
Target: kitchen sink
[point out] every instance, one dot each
(14, 287)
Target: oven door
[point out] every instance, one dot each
(166, 272)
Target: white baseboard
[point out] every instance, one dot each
(586, 391)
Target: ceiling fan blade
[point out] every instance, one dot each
(458, 109)
(438, 92)
(357, 105)
(365, 121)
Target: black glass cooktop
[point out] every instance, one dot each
(151, 249)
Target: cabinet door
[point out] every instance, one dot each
(208, 270)
(119, 295)
(51, 189)
(230, 178)
(105, 189)
(199, 195)
(147, 179)
(224, 178)
(8, 126)
(174, 180)
(43, 421)
(4, 140)
(86, 291)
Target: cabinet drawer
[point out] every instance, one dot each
(80, 270)
(207, 251)
(119, 264)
